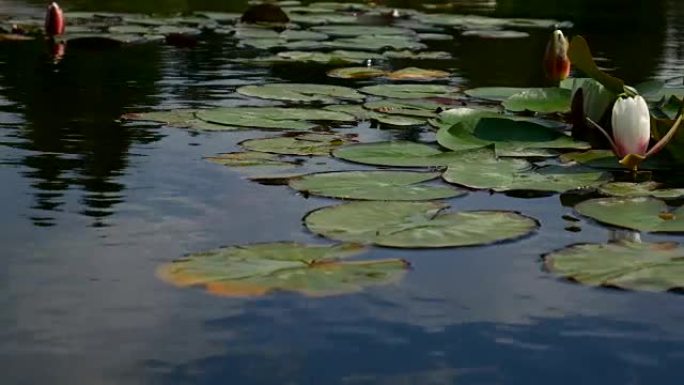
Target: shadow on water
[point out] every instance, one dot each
(71, 137)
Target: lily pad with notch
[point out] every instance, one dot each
(374, 185)
(384, 118)
(272, 117)
(641, 213)
(411, 91)
(482, 169)
(626, 265)
(644, 189)
(396, 154)
(303, 144)
(416, 224)
(302, 93)
(260, 269)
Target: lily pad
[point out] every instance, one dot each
(396, 154)
(377, 43)
(644, 189)
(494, 93)
(625, 265)
(250, 159)
(605, 159)
(415, 73)
(481, 169)
(261, 269)
(374, 185)
(299, 144)
(543, 100)
(297, 92)
(422, 108)
(496, 34)
(467, 128)
(182, 118)
(388, 119)
(416, 224)
(361, 30)
(356, 73)
(410, 91)
(424, 55)
(271, 117)
(643, 214)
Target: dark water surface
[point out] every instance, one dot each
(91, 206)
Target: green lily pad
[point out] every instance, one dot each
(605, 159)
(374, 185)
(298, 144)
(416, 224)
(496, 34)
(481, 169)
(467, 129)
(644, 189)
(181, 118)
(361, 30)
(388, 119)
(643, 214)
(130, 30)
(250, 159)
(415, 73)
(543, 100)
(421, 108)
(271, 117)
(410, 91)
(489, 23)
(494, 93)
(396, 154)
(337, 57)
(356, 73)
(297, 92)
(376, 43)
(261, 269)
(625, 265)
(423, 55)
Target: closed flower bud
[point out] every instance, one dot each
(631, 122)
(556, 61)
(54, 20)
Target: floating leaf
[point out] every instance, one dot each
(361, 30)
(374, 185)
(260, 269)
(416, 224)
(181, 118)
(356, 73)
(376, 43)
(467, 128)
(250, 159)
(643, 214)
(415, 73)
(299, 144)
(625, 265)
(410, 91)
(481, 169)
(271, 117)
(494, 93)
(644, 189)
(422, 108)
(424, 55)
(388, 119)
(543, 100)
(297, 92)
(496, 34)
(396, 154)
(605, 159)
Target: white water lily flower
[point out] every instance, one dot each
(631, 120)
(631, 126)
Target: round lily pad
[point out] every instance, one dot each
(496, 34)
(410, 91)
(629, 189)
(181, 118)
(361, 30)
(422, 108)
(301, 144)
(643, 214)
(250, 159)
(376, 43)
(396, 154)
(271, 117)
(481, 169)
(543, 100)
(261, 269)
(374, 185)
(384, 118)
(423, 55)
(416, 224)
(494, 93)
(625, 265)
(296, 92)
(415, 73)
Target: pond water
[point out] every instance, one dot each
(92, 206)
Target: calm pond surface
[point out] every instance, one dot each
(91, 206)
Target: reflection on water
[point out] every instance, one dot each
(80, 303)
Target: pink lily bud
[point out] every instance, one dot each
(54, 20)
(631, 122)
(556, 61)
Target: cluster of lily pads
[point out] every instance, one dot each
(502, 140)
